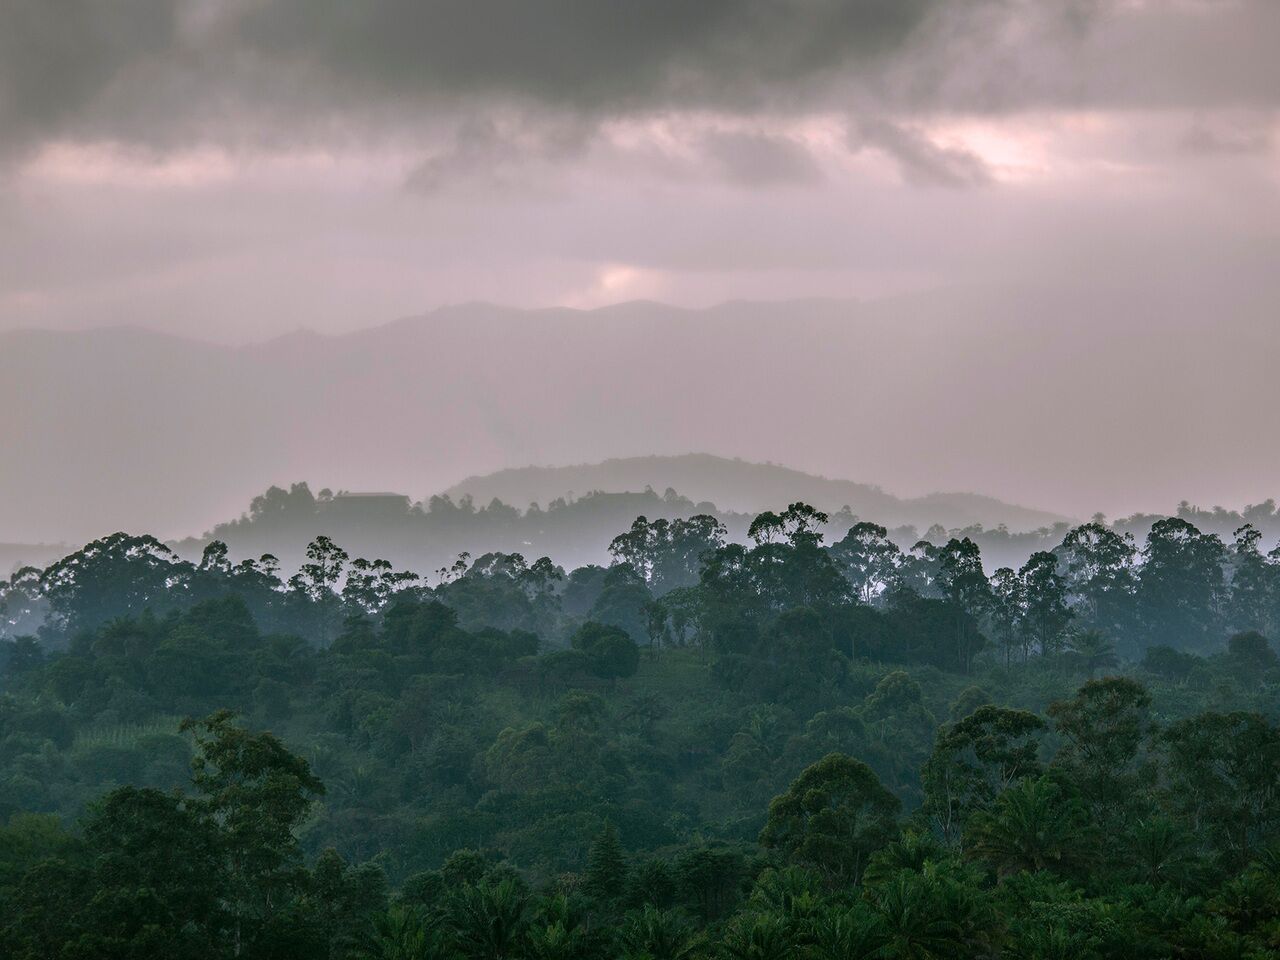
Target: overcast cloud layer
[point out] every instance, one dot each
(235, 169)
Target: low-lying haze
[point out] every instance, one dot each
(1011, 393)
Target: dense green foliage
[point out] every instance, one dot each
(774, 749)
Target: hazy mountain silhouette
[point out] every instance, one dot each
(128, 429)
(742, 487)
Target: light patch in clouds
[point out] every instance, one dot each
(72, 167)
(1013, 150)
(76, 165)
(615, 283)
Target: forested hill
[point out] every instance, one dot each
(576, 530)
(743, 487)
(428, 535)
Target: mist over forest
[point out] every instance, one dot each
(478, 515)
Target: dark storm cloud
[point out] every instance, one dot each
(154, 69)
(159, 71)
(582, 53)
(610, 57)
(57, 59)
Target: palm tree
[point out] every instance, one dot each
(915, 920)
(400, 934)
(1047, 942)
(656, 934)
(792, 893)
(1268, 861)
(912, 851)
(1032, 826)
(487, 920)
(1093, 652)
(758, 936)
(558, 933)
(846, 934)
(1161, 851)
(557, 942)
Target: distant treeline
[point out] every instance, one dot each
(426, 535)
(1184, 589)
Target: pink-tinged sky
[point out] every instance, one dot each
(233, 170)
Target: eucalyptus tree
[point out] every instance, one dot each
(868, 559)
(1098, 565)
(1254, 584)
(1045, 614)
(1181, 586)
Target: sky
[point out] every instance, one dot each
(233, 170)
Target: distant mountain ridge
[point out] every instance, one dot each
(744, 487)
(128, 429)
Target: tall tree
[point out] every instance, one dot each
(833, 817)
(1005, 612)
(868, 559)
(1046, 614)
(1107, 732)
(977, 759)
(606, 874)
(964, 587)
(1255, 580)
(1098, 564)
(115, 576)
(317, 580)
(1181, 586)
(257, 793)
